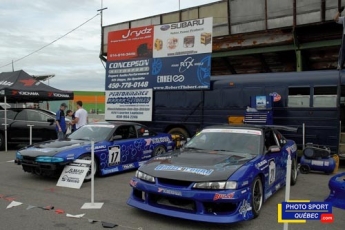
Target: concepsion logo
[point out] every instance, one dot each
(299, 211)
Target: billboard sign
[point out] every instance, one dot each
(129, 105)
(163, 57)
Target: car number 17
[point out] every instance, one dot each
(114, 155)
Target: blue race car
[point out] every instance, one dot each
(222, 175)
(119, 146)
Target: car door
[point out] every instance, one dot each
(274, 170)
(123, 151)
(20, 130)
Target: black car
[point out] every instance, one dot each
(18, 131)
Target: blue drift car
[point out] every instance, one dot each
(222, 175)
(119, 146)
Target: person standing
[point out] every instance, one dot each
(70, 113)
(341, 57)
(80, 116)
(60, 121)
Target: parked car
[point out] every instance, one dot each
(18, 131)
(119, 146)
(222, 175)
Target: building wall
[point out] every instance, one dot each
(92, 101)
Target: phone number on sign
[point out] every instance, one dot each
(124, 85)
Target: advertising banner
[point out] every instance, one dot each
(72, 176)
(130, 43)
(183, 38)
(299, 211)
(174, 73)
(129, 105)
(181, 73)
(164, 57)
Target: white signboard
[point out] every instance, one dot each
(183, 38)
(72, 176)
(129, 105)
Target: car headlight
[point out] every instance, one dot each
(144, 176)
(19, 156)
(216, 185)
(47, 159)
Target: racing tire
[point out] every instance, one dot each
(179, 131)
(2, 141)
(88, 174)
(257, 197)
(159, 150)
(294, 172)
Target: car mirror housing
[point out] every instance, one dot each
(274, 149)
(50, 120)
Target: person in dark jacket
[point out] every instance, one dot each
(61, 127)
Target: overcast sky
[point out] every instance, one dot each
(26, 26)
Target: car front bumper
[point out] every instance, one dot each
(45, 169)
(215, 206)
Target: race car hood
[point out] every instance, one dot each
(196, 166)
(50, 148)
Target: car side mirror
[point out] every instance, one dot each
(51, 120)
(117, 137)
(274, 149)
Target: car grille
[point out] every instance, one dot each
(173, 202)
(179, 183)
(27, 159)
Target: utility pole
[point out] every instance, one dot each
(102, 34)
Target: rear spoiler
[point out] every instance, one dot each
(284, 128)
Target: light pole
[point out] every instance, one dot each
(102, 34)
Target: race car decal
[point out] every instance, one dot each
(157, 140)
(114, 155)
(70, 156)
(100, 147)
(204, 172)
(292, 148)
(169, 191)
(219, 196)
(245, 209)
(261, 165)
(272, 171)
(133, 183)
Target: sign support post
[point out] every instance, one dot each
(287, 186)
(30, 126)
(92, 205)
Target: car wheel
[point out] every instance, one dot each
(304, 169)
(159, 150)
(88, 174)
(257, 196)
(294, 172)
(179, 131)
(2, 142)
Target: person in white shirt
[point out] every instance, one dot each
(80, 116)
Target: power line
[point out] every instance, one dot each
(11, 63)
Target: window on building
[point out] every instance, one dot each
(325, 96)
(299, 97)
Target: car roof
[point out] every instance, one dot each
(262, 127)
(116, 123)
(237, 126)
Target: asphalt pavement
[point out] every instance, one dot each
(113, 191)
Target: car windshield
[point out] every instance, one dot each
(230, 141)
(92, 132)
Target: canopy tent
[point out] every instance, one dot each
(19, 86)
